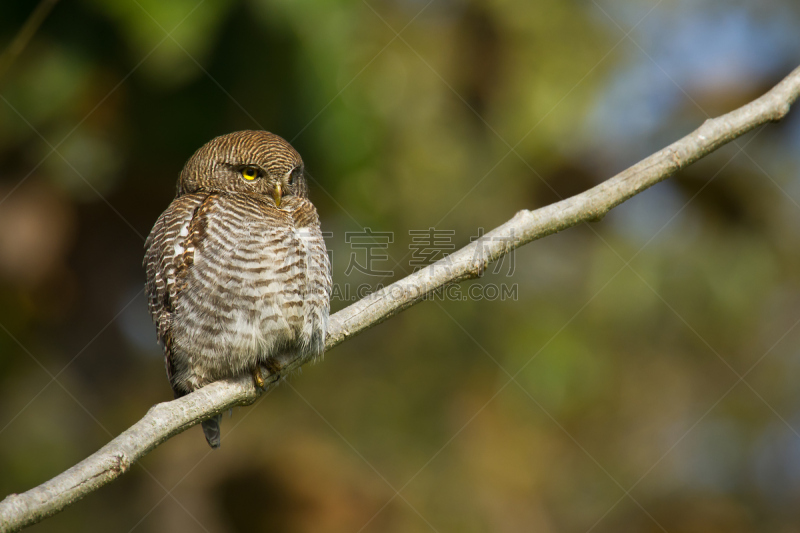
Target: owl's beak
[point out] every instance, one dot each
(277, 194)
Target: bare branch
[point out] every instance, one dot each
(170, 418)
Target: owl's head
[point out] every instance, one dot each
(256, 162)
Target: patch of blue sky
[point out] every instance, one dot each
(689, 47)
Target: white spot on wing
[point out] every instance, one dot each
(179, 249)
(304, 236)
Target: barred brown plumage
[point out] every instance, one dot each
(238, 278)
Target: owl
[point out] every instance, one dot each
(238, 278)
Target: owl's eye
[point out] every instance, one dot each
(249, 173)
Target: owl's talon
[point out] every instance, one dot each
(258, 378)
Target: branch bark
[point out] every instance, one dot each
(167, 419)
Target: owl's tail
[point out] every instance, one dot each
(211, 430)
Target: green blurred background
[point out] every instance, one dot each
(605, 397)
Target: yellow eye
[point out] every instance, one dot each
(249, 173)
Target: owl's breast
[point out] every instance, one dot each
(253, 287)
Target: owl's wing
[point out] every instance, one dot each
(166, 256)
(319, 264)
(316, 291)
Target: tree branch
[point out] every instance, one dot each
(170, 418)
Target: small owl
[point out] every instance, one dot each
(238, 278)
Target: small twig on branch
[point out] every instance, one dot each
(170, 418)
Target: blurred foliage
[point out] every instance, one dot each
(644, 377)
